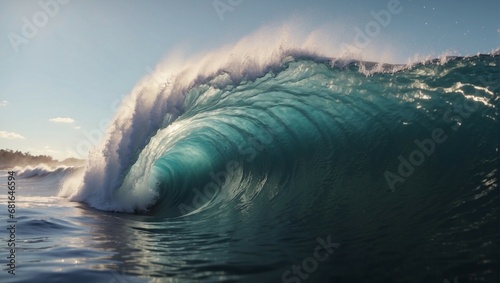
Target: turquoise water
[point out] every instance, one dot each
(307, 170)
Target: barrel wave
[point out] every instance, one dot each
(392, 162)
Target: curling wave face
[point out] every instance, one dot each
(300, 123)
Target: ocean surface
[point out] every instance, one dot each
(298, 169)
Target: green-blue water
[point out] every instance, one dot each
(245, 178)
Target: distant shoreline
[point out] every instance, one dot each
(11, 159)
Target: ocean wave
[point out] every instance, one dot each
(246, 122)
(45, 171)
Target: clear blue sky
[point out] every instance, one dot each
(62, 81)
